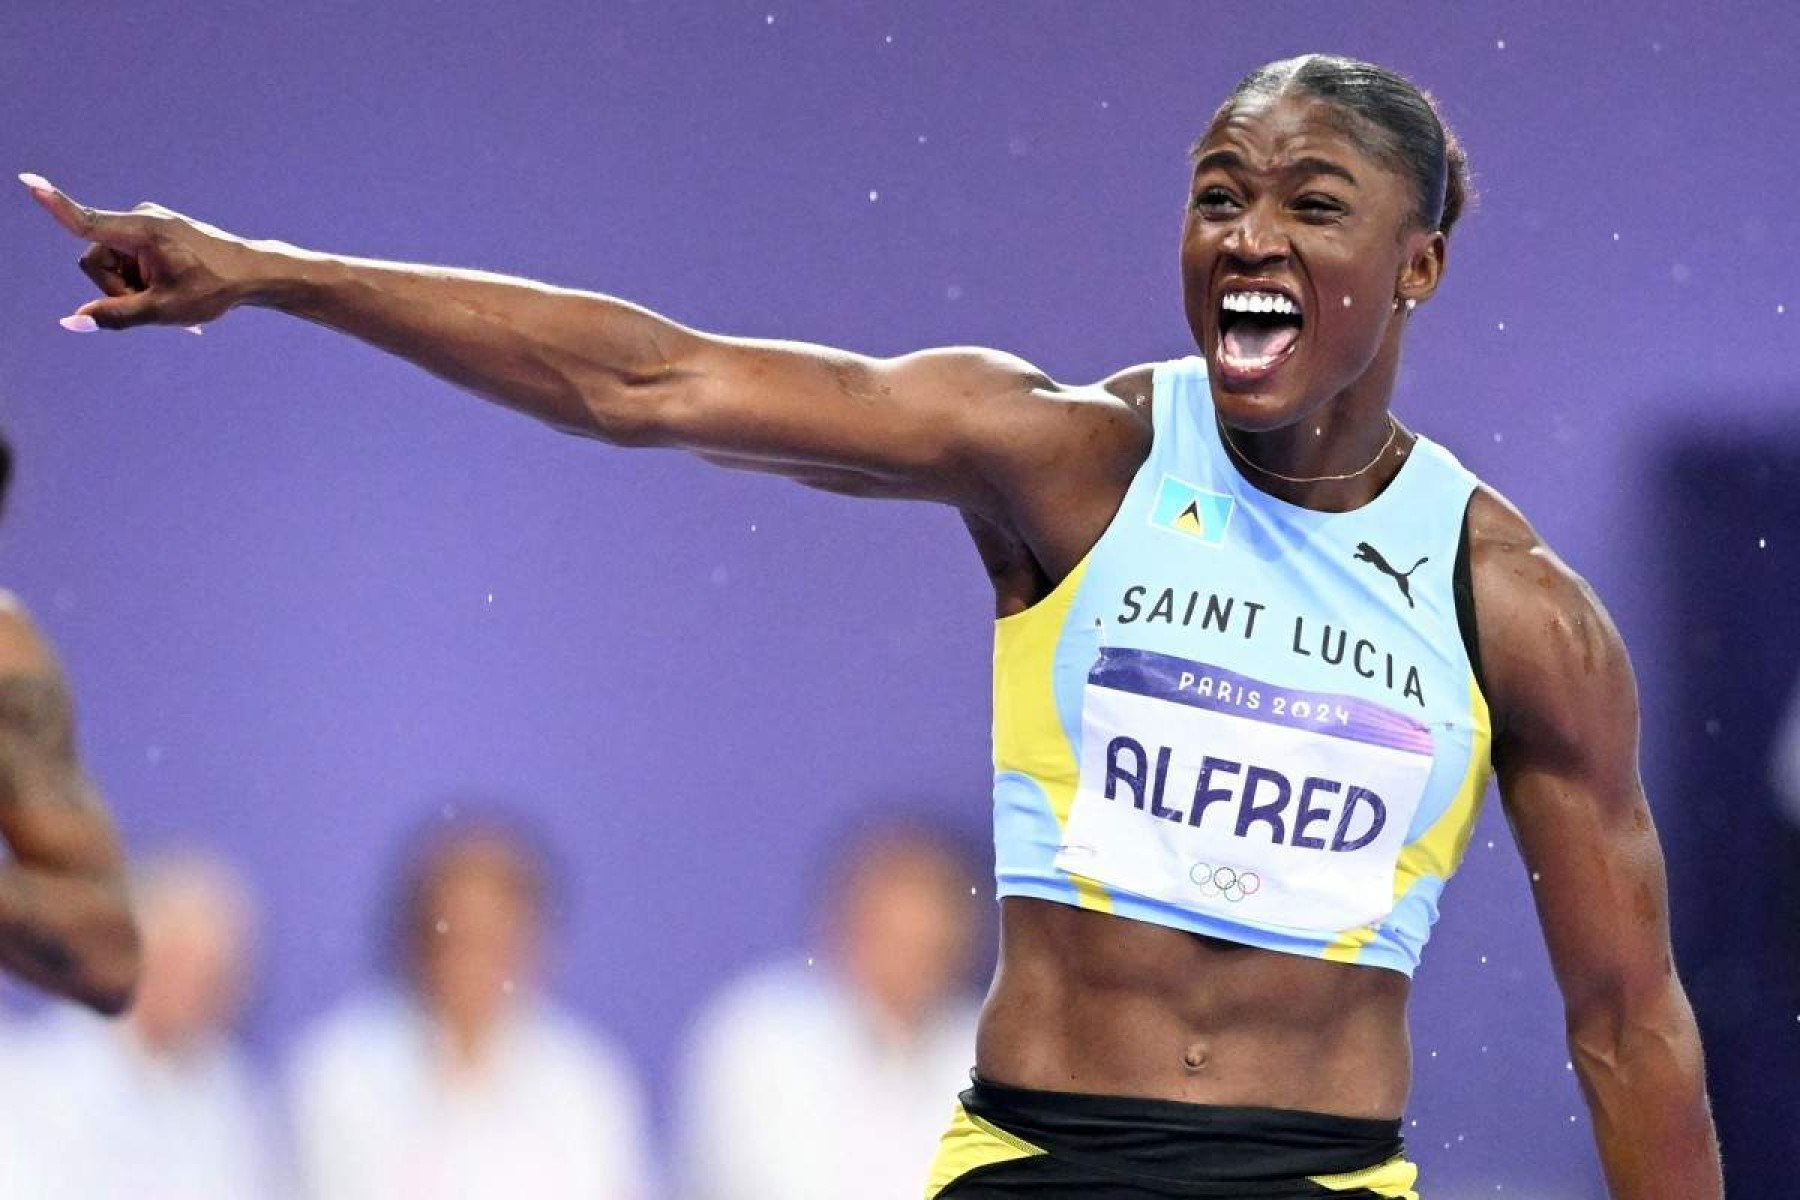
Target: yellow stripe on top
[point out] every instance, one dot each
(1028, 731)
(1439, 850)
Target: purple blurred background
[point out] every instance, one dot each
(308, 596)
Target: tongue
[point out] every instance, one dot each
(1253, 341)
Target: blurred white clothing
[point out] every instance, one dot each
(92, 1115)
(555, 1115)
(791, 1092)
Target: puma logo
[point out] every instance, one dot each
(1372, 556)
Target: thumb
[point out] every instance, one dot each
(117, 312)
(121, 231)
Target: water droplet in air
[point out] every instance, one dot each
(874, 195)
(809, 962)
(1501, 326)
(889, 39)
(442, 926)
(1780, 308)
(490, 597)
(769, 20)
(1762, 543)
(1615, 237)
(1500, 44)
(1499, 437)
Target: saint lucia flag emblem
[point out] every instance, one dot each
(1184, 508)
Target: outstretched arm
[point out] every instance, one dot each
(946, 425)
(64, 921)
(1566, 749)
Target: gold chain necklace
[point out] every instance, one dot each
(1393, 432)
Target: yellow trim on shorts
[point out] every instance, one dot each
(971, 1143)
(1028, 731)
(1439, 850)
(1394, 1178)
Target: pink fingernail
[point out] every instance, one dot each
(36, 183)
(79, 324)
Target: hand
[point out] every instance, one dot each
(156, 267)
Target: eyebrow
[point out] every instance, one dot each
(1231, 160)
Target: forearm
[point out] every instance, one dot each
(70, 933)
(1642, 1075)
(578, 361)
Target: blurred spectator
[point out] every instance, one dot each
(464, 1083)
(1786, 767)
(836, 1078)
(163, 1103)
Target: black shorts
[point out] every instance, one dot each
(1006, 1142)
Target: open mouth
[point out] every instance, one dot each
(1258, 328)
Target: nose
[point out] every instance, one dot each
(1256, 238)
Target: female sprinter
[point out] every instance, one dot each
(1257, 646)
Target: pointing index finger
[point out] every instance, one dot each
(114, 229)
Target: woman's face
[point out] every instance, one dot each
(1296, 246)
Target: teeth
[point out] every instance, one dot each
(1259, 302)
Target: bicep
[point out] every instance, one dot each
(1597, 879)
(49, 812)
(922, 426)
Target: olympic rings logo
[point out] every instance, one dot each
(1224, 881)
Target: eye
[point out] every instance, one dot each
(1320, 208)
(1214, 202)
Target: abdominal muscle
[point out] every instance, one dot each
(1091, 1003)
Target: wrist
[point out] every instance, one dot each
(279, 276)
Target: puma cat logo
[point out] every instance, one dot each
(1372, 556)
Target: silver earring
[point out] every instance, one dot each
(1411, 304)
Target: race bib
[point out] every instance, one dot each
(1228, 795)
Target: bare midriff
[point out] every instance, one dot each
(1091, 1003)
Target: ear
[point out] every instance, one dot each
(1423, 266)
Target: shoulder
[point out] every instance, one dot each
(1556, 669)
(354, 1037)
(980, 377)
(581, 1060)
(23, 648)
(767, 1005)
